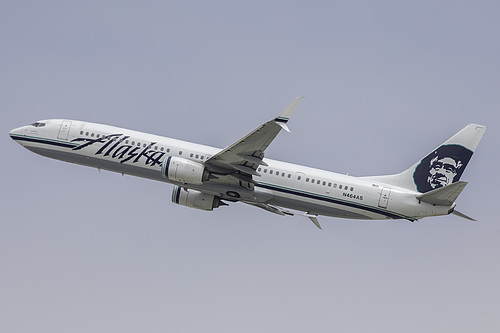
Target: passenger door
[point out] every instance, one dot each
(64, 130)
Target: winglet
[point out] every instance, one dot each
(283, 117)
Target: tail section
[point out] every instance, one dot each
(443, 166)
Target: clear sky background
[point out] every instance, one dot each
(385, 83)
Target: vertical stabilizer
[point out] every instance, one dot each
(443, 166)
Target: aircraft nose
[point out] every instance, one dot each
(16, 132)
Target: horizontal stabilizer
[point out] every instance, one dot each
(462, 215)
(443, 196)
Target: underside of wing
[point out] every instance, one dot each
(284, 212)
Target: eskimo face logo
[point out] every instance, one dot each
(442, 171)
(442, 167)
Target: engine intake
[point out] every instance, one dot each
(195, 199)
(184, 171)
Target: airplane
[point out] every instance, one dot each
(206, 178)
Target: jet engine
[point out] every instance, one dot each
(184, 171)
(195, 199)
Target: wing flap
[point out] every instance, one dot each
(252, 159)
(245, 169)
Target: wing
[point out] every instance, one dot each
(241, 159)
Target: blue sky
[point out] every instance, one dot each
(385, 83)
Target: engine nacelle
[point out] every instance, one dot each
(195, 199)
(184, 171)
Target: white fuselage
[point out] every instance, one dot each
(283, 184)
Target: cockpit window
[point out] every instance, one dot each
(37, 124)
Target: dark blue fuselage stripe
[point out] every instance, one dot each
(47, 142)
(331, 200)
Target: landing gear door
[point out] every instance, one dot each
(64, 130)
(384, 197)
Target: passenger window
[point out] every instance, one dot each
(312, 180)
(270, 172)
(81, 132)
(191, 155)
(319, 181)
(282, 174)
(298, 177)
(334, 185)
(87, 134)
(265, 170)
(197, 156)
(324, 183)
(133, 143)
(92, 134)
(289, 176)
(307, 180)
(352, 188)
(340, 187)
(259, 169)
(168, 150)
(180, 152)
